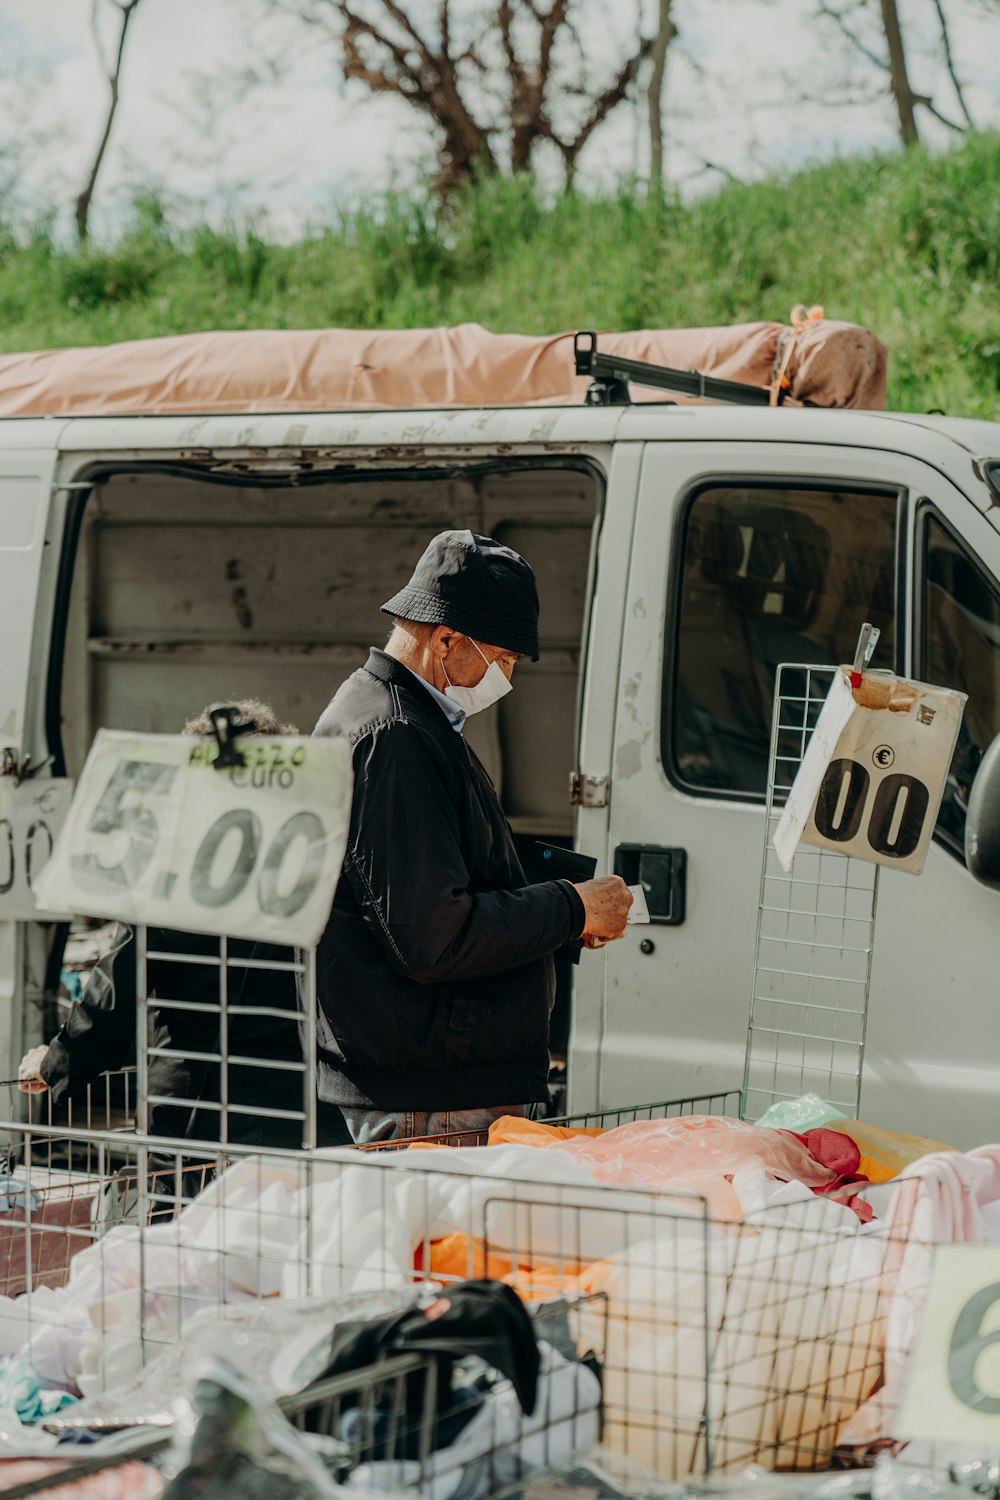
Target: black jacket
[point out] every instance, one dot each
(435, 972)
(100, 1035)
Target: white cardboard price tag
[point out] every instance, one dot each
(31, 816)
(953, 1387)
(156, 835)
(871, 780)
(638, 912)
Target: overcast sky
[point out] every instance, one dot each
(301, 143)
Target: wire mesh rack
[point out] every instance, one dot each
(56, 1164)
(724, 1102)
(725, 1337)
(125, 1474)
(247, 1017)
(815, 934)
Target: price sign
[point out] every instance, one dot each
(156, 834)
(31, 816)
(871, 780)
(953, 1388)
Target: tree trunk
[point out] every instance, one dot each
(949, 58)
(82, 208)
(665, 33)
(83, 201)
(898, 76)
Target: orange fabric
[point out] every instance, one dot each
(826, 363)
(458, 1257)
(875, 1171)
(513, 1130)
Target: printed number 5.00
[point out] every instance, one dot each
(897, 817)
(139, 824)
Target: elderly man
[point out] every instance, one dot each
(435, 973)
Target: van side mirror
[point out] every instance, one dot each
(982, 823)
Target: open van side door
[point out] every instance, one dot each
(27, 464)
(742, 556)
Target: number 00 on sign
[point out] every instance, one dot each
(157, 835)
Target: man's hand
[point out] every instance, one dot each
(606, 901)
(30, 1081)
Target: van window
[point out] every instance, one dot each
(769, 574)
(961, 649)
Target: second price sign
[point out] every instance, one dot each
(157, 835)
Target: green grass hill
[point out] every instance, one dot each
(908, 245)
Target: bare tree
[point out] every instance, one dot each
(492, 92)
(665, 33)
(112, 70)
(949, 58)
(892, 62)
(899, 78)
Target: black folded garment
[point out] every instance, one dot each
(482, 1318)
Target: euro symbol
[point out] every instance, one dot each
(884, 756)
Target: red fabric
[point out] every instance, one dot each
(838, 1152)
(833, 1150)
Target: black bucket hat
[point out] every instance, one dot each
(478, 587)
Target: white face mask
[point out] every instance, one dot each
(492, 686)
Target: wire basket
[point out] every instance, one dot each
(727, 1338)
(725, 1102)
(815, 936)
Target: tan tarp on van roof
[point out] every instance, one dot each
(337, 369)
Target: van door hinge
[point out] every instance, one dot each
(587, 791)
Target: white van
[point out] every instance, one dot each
(149, 565)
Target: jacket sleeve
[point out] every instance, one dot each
(99, 1033)
(409, 877)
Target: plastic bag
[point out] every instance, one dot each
(672, 1152)
(884, 1153)
(807, 1112)
(231, 1440)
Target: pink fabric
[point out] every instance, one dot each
(939, 1201)
(128, 1481)
(659, 1153)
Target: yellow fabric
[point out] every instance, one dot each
(884, 1153)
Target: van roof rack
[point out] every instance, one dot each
(611, 377)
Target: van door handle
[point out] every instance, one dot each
(662, 873)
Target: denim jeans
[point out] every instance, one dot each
(368, 1126)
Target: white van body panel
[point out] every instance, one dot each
(415, 434)
(27, 508)
(673, 1022)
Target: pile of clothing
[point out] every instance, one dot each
(772, 1278)
(489, 1396)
